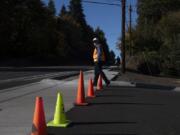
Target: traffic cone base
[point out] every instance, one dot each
(81, 104)
(91, 96)
(98, 89)
(52, 124)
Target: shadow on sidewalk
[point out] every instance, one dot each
(120, 96)
(154, 86)
(102, 123)
(96, 134)
(121, 103)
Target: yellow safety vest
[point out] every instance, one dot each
(95, 56)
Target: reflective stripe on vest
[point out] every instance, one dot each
(95, 56)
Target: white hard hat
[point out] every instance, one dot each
(95, 39)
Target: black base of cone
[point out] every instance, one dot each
(91, 96)
(81, 104)
(99, 89)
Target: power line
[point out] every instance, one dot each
(114, 0)
(101, 3)
(105, 3)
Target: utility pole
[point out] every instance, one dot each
(130, 29)
(123, 50)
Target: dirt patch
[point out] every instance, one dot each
(136, 77)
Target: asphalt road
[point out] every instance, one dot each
(126, 111)
(17, 76)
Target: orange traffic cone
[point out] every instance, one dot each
(80, 100)
(39, 122)
(99, 84)
(91, 89)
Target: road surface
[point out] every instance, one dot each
(11, 76)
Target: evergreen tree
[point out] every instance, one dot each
(76, 11)
(51, 7)
(30, 30)
(112, 57)
(63, 11)
(24, 32)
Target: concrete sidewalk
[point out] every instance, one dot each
(17, 104)
(126, 110)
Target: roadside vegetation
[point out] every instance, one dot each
(32, 33)
(156, 38)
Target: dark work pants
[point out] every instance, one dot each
(98, 71)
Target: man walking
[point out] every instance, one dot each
(99, 60)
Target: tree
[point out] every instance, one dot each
(31, 31)
(156, 34)
(112, 57)
(63, 11)
(51, 7)
(73, 34)
(87, 33)
(77, 12)
(168, 30)
(151, 11)
(23, 32)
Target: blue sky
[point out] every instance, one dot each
(108, 18)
